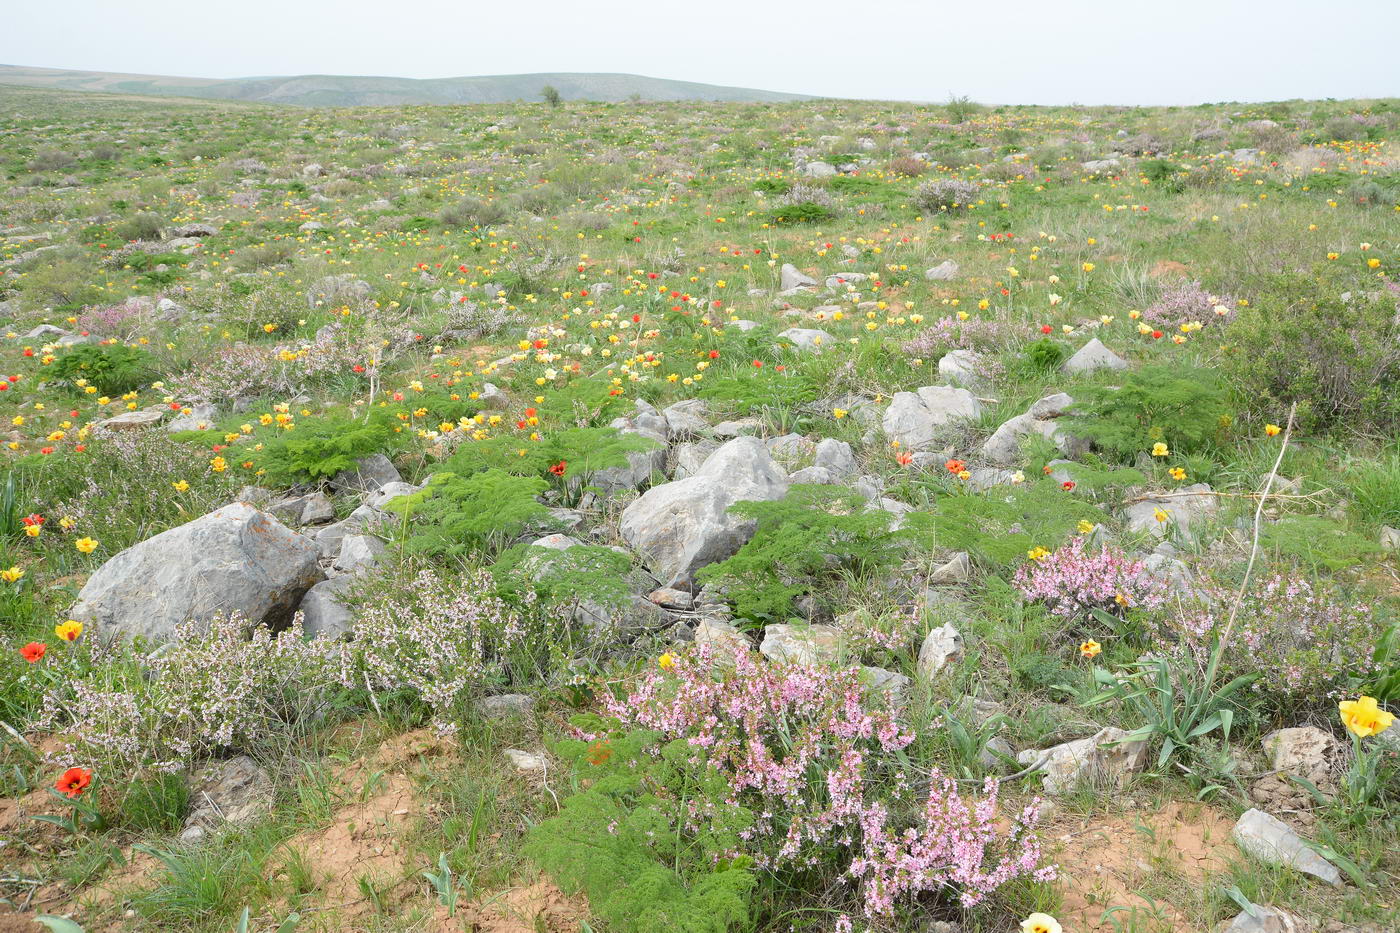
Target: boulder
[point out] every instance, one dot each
(722, 639)
(836, 457)
(131, 420)
(945, 271)
(200, 418)
(236, 792)
(940, 646)
(1270, 840)
(1003, 448)
(961, 367)
(1104, 756)
(819, 170)
(913, 418)
(681, 526)
(335, 290)
(358, 553)
(236, 559)
(686, 417)
(807, 339)
(791, 277)
(323, 610)
(1187, 509)
(370, 473)
(1093, 356)
(800, 644)
(1305, 751)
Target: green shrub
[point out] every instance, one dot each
(473, 212)
(144, 226)
(474, 513)
(319, 448)
(628, 839)
(1165, 403)
(113, 370)
(1339, 360)
(1000, 528)
(805, 212)
(1373, 486)
(802, 545)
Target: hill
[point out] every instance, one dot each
(373, 90)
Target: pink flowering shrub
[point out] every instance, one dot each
(1185, 302)
(1306, 644)
(801, 749)
(1074, 580)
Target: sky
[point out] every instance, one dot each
(1007, 51)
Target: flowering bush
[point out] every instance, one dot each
(800, 749)
(1186, 302)
(247, 371)
(212, 687)
(441, 639)
(944, 194)
(1308, 644)
(1074, 580)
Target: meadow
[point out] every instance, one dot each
(705, 517)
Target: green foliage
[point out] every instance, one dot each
(460, 514)
(1045, 355)
(999, 528)
(1317, 542)
(145, 226)
(1299, 341)
(628, 840)
(583, 451)
(806, 212)
(113, 370)
(752, 390)
(583, 573)
(803, 543)
(1373, 486)
(1179, 406)
(319, 448)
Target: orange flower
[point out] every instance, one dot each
(904, 459)
(559, 468)
(1090, 649)
(33, 651)
(73, 782)
(955, 466)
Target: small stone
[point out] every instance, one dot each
(228, 793)
(956, 570)
(1268, 839)
(370, 473)
(1266, 920)
(800, 644)
(131, 420)
(358, 553)
(940, 646)
(791, 277)
(505, 706)
(1305, 751)
(1104, 755)
(526, 762)
(1093, 356)
(945, 271)
(670, 598)
(316, 509)
(1390, 538)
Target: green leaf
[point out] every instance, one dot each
(58, 924)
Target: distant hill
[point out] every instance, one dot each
(368, 90)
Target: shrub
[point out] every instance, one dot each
(1000, 529)
(630, 841)
(1168, 403)
(803, 212)
(908, 165)
(473, 212)
(1306, 644)
(803, 544)
(474, 513)
(316, 449)
(1187, 302)
(1339, 360)
(213, 687)
(944, 194)
(143, 226)
(802, 749)
(1074, 580)
(112, 369)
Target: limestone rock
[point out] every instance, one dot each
(1093, 356)
(1270, 840)
(228, 793)
(940, 646)
(1102, 756)
(800, 644)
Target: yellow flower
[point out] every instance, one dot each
(1085, 526)
(1161, 514)
(1177, 473)
(69, 631)
(964, 475)
(218, 464)
(838, 413)
(1090, 649)
(1363, 717)
(1041, 923)
(180, 485)
(12, 575)
(1272, 430)
(1088, 267)
(33, 530)
(1373, 263)
(1160, 450)
(85, 544)
(1038, 553)
(666, 661)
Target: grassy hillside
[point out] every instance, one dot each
(369, 90)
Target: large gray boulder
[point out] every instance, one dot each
(1093, 356)
(792, 277)
(1003, 448)
(681, 526)
(235, 559)
(808, 339)
(913, 418)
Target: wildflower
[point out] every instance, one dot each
(1177, 473)
(1363, 717)
(1038, 553)
(33, 651)
(85, 544)
(559, 468)
(1067, 485)
(666, 661)
(1085, 526)
(838, 413)
(73, 782)
(1161, 514)
(1272, 430)
(33, 531)
(964, 475)
(599, 752)
(955, 466)
(1041, 923)
(1018, 477)
(12, 575)
(1160, 449)
(1090, 649)
(904, 459)
(180, 485)
(69, 631)
(218, 464)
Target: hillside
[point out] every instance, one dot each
(378, 91)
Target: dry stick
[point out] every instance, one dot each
(1152, 497)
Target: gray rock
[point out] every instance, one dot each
(131, 420)
(1003, 448)
(196, 230)
(681, 526)
(335, 290)
(387, 493)
(254, 495)
(526, 762)
(945, 271)
(1390, 538)
(739, 427)
(370, 473)
(800, 644)
(1098, 166)
(669, 598)
(722, 639)
(317, 509)
(958, 569)
(813, 476)
(323, 610)
(641, 464)
(790, 277)
(1304, 751)
(1093, 356)
(1187, 509)
(961, 367)
(819, 170)
(892, 686)
(808, 339)
(690, 457)
(505, 706)
(836, 457)
(940, 646)
(225, 794)
(235, 559)
(842, 279)
(358, 553)
(687, 417)
(791, 446)
(913, 418)
(1103, 756)
(1268, 839)
(1266, 919)
(200, 418)
(995, 753)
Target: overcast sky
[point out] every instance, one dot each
(1004, 51)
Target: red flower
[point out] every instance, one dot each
(1156, 335)
(758, 364)
(33, 651)
(1046, 328)
(34, 519)
(73, 782)
(955, 466)
(559, 468)
(714, 354)
(1067, 485)
(904, 459)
